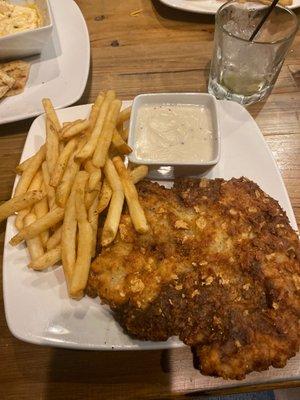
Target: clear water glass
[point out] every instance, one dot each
(245, 71)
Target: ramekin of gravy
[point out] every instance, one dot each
(174, 129)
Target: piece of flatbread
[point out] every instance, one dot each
(19, 71)
(6, 83)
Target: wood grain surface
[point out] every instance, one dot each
(159, 50)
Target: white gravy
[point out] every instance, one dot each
(174, 133)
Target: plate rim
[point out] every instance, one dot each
(169, 3)
(85, 75)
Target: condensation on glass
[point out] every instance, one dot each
(246, 71)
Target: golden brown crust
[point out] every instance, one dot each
(219, 268)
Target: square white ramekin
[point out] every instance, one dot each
(180, 168)
(29, 42)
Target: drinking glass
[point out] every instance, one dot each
(245, 71)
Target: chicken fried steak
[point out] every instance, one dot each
(220, 268)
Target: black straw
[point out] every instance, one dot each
(269, 10)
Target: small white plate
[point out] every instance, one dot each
(205, 6)
(59, 72)
(37, 307)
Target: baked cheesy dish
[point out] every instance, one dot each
(16, 18)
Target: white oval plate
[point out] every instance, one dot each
(205, 6)
(37, 307)
(59, 72)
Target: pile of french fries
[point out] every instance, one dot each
(75, 176)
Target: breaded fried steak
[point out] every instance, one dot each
(220, 268)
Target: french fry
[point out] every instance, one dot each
(113, 152)
(124, 115)
(39, 226)
(81, 211)
(105, 137)
(40, 209)
(69, 227)
(89, 148)
(135, 209)
(81, 143)
(90, 167)
(94, 113)
(112, 176)
(139, 173)
(61, 147)
(55, 239)
(93, 217)
(49, 189)
(94, 183)
(90, 197)
(94, 180)
(85, 240)
(62, 162)
(124, 134)
(30, 171)
(65, 124)
(68, 236)
(118, 142)
(46, 260)
(34, 245)
(64, 188)
(75, 129)
(23, 165)
(34, 185)
(83, 260)
(52, 146)
(37, 181)
(104, 197)
(19, 221)
(111, 223)
(109, 233)
(51, 114)
(19, 202)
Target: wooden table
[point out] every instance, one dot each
(159, 50)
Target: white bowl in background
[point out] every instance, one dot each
(29, 42)
(162, 170)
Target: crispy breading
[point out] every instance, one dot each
(220, 268)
